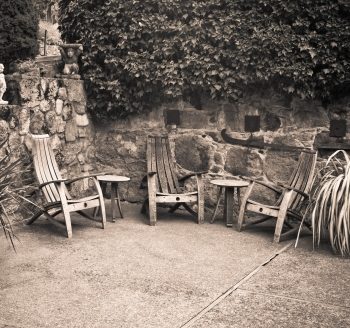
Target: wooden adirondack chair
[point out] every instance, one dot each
(164, 185)
(53, 188)
(290, 201)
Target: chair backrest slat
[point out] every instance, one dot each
(46, 167)
(172, 167)
(166, 161)
(159, 160)
(151, 158)
(302, 177)
(38, 166)
(304, 183)
(160, 166)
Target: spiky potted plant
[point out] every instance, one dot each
(331, 204)
(12, 190)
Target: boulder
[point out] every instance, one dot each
(193, 152)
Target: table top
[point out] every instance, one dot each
(230, 183)
(112, 178)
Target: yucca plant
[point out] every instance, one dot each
(331, 204)
(12, 190)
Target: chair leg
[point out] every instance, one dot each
(200, 211)
(67, 219)
(282, 215)
(240, 220)
(152, 211)
(103, 214)
(174, 208)
(217, 204)
(200, 199)
(242, 208)
(34, 217)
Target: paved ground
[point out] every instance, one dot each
(177, 274)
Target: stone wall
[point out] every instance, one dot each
(57, 106)
(44, 104)
(198, 144)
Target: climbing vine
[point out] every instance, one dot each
(139, 53)
(18, 30)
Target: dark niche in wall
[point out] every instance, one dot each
(251, 123)
(172, 117)
(337, 128)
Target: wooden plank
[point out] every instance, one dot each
(41, 172)
(57, 170)
(166, 160)
(50, 169)
(228, 207)
(177, 198)
(38, 171)
(262, 210)
(200, 196)
(150, 167)
(172, 168)
(152, 181)
(296, 199)
(83, 205)
(160, 166)
(153, 161)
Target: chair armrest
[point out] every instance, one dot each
(269, 185)
(52, 181)
(304, 194)
(69, 181)
(187, 176)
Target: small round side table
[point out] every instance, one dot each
(231, 187)
(114, 181)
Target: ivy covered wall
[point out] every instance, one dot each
(139, 53)
(18, 30)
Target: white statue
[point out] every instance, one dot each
(2, 85)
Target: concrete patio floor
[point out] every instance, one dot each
(176, 274)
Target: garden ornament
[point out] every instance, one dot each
(70, 54)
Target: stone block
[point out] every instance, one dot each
(81, 120)
(56, 142)
(82, 132)
(193, 152)
(59, 106)
(279, 165)
(197, 119)
(71, 131)
(75, 90)
(51, 122)
(70, 151)
(37, 122)
(61, 125)
(45, 105)
(298, 138)
(5, 111)
(24, 121)
(309, 114)
(4, 131)
(79, 108)
(67, 112)
(237, 161)
(15, 145)
(53, 88)
(29, 88)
